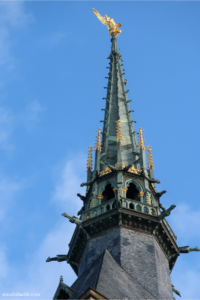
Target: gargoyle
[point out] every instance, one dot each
(73, 219)
(175, 291)
(166, 213)
(58, 258)
(77, 222)
(186, 249)
(154, 181)
(81, 197)
(86, 183)
(160, 194)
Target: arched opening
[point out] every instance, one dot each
(114, 205)
(146, 210)
(132, 192)
(108, 193)
(131, 206)
(138, 208)
(108, 207)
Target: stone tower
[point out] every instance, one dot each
(122, 246)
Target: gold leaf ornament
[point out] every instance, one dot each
(105, 171)
(141, 194)
(100, 196)
(109, 22)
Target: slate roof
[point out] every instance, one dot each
(107, 277)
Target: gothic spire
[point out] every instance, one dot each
(117, 109)
(89, 161)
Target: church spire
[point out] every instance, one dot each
(89, 161)
(117, 109)
(150, 162)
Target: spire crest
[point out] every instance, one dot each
(118, 131)
(150, 159)
(98, 140)
(141, 139)
(89, 161)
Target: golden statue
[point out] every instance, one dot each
(112, 27)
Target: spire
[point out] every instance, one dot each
(117, 109)
(150, 162)
(141, 139)
(149, 158)
(118, 131)
(141, 146)
(89, 161)
(98, 140)
(97, 154)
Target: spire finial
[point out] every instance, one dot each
(98, 140)
(118, 131)
(89, 161)
(141, 139)
(112, 27)
(61, 279)
(150, 159)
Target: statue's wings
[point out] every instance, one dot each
(103, 21)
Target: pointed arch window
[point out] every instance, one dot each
(108, 193)
(132, 192)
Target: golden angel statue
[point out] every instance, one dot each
(112, 27)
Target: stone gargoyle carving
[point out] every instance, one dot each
(58, 258)
(83, 198)
(186, 249)
(175, 291)
(160, 194)
(167, 212)
(155, 181)
(86, 183)
(72, 219)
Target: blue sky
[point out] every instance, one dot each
(53, 58)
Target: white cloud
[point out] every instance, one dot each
(12, 18)
(9, 122)
(13, 14)
(8, 191)
(34, 275)
(4, 270)
(185, 221)
(186, 277)
(68, 185)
